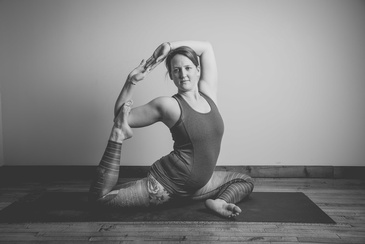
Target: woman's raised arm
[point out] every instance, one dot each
(136, 75)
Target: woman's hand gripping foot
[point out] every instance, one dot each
(121, 130)
(223, 208)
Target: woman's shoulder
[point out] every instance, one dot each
(165, 101)
(169, 108)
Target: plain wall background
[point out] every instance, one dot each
(1, 137)
(292, 78)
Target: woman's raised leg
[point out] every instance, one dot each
(107, 172)
(139, 193)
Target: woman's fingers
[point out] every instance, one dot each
(154, 65)
(144, 67)
(157, 62)
(150, 61)
(158, 56)
(153, 62)
(142, 64)
(150, 65)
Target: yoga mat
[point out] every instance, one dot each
(288, 207)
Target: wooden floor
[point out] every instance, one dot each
(342, 199)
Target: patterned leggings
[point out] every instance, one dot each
(229, 186)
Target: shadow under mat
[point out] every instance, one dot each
(287, 207)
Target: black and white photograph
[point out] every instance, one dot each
(196, 121)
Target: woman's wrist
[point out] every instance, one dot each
(130, 81)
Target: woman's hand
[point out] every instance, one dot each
(159, 55)
(139, 73)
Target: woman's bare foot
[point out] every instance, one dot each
(223, 208)
(121, 130)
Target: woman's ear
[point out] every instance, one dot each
(198, 68)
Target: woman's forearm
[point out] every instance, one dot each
(198, 46)
(134, 77)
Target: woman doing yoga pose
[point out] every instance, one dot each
(196, 127)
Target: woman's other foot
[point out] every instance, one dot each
(121, 130)
(223, 208)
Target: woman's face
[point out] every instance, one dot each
(184, 73)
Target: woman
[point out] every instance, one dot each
(196, 127)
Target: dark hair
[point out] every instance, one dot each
(183, 50)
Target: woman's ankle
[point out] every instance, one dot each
(116, 135)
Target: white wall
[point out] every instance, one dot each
(292, 77)
(1, 137)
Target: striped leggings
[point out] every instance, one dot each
(229, 186)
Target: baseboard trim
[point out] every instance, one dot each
(54, 173)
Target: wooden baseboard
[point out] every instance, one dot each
(54, 173)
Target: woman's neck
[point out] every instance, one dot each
(193, 95)
(196, 101)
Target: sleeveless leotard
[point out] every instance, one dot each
(197, 141)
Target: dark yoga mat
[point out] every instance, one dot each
(292, 207)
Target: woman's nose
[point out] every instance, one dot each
(182, 73)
